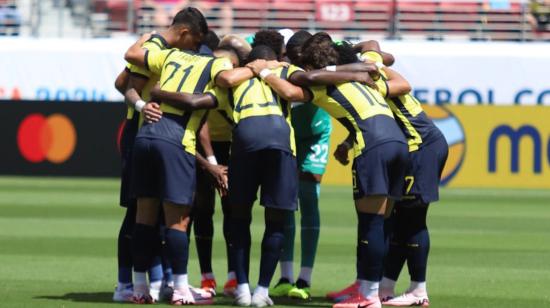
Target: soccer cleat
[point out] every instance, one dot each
(155, 294)
(385, 294)
(122, 295)
(359, 301)
(243, 298)
(182, 297)
(409, 300)
(201, 296)
(209, 285)
(281, 288)
(341, 295)
(141, 295)
(166, 290)
(229, 287)
(300, 290)
(260, 300)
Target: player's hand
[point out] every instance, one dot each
(152, 112)
(341, 153)
(273, 64)
(219, 174)
(257, 66)
(365, 78)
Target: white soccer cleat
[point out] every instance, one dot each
(385, 294)
(155, 294)
(409, 300)
(182, 297)
(261, 300)
(243, 299)
(123, 295)
(201, 296)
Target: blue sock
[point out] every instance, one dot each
(240, 241)
(155, 271)
(289, 234)
(226, 218)
(165, 257)
(204, 232)
(272, 245)
(178, 250)
(371, 245)
(124, 249)
(396, 254)
(418, 243)
(143, 245)
(310, 221)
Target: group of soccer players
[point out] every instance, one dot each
(206, 114)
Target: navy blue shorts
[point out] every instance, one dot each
(380, 171)
(424, 173)
(275, 171)
(126, 148)
(163, 170)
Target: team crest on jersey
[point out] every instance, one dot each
(453, 131)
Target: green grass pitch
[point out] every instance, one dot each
(490, 248)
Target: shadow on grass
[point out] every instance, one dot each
(92, 297)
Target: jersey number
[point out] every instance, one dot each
(177, 66)
(366, 92)
(320, 153)
(409, 181)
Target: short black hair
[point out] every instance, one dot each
(270, 38)
(294, 45)
(192, 18)
(261, 52)
(346, 52)
(232, 50)
(211, 40)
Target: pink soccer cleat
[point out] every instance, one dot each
(344, 294)
(359, 301)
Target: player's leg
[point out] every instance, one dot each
(396, 254)
(286, 282)
(378, 175)
(125, 289)
(279, 194)
(156, 270)
(204, 229)
(243, 186)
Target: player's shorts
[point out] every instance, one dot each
(380, 171)
(163, 170)
(274, 171)
(126, 148)
(312, 153)
(424, 173)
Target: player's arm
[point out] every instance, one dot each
(184, 101)
(283, 88)
(121, 81)
(132, 96)
(342, 150)
(218, 172)
(330, 77)
(137, 55)
(234, 77)
(204, 139)
(373, 45)
(397, 85)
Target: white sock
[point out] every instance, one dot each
(261, 291)
(207, 276)
(369, 288)
(123, 285)
(305, 274)
(140, 279)
(155, 285)
(231, 276)
(181, 281)
(418, 287)
(287, 270)
(243, 288)
(387, 284)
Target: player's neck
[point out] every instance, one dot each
(170, 36)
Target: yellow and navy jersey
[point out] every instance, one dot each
(220, 121)
(362, 111)
(262, 119)
(413, 121)
(156, 42)
(181, 72)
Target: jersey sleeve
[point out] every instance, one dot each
(219, 65)
(154, 59)
(220, 94)
(373, 56)
(319, 94)
(138, 71)
(293, 69)
(382, 87)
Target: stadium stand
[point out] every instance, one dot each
(516, 20)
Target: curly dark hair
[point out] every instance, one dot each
(346, 52)
(319, 51)
(211, 40)
(270, 38)
(294, 46)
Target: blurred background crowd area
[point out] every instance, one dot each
(479, 20)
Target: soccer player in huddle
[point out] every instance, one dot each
(164, 152)
(380, 151)
(135, 83)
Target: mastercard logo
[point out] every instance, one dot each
(51, 138)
